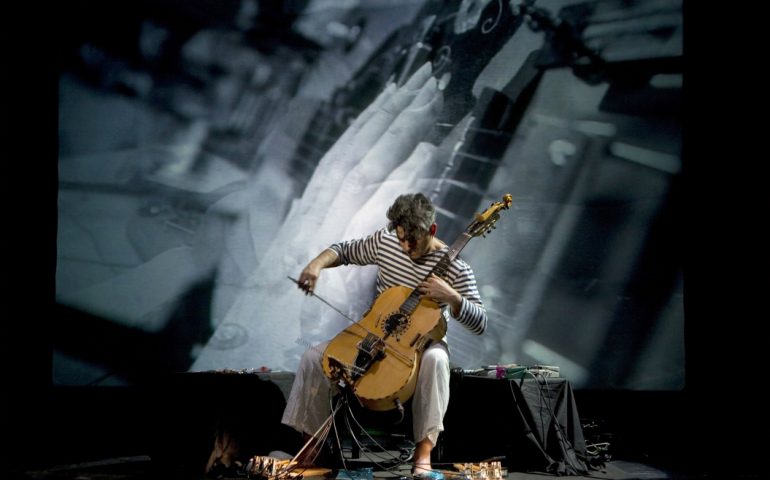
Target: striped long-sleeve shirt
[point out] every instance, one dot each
(382, 248)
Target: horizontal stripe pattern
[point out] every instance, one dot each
(396, 268)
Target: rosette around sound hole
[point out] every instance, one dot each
(396, 324)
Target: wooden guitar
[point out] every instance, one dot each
(379, 356)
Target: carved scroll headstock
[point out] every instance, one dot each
(484, 223)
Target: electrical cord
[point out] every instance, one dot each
(399, 461)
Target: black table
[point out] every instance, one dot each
(532, 422)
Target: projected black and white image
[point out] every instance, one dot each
(209, 149)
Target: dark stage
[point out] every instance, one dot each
(167, 430)
(160, 149)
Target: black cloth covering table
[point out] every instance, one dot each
(532, 422)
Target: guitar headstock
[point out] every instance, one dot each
(484, 223)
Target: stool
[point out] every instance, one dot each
(369, 430)
(380, 431)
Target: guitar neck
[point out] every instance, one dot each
(443, 265)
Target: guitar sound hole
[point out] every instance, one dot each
(396, 324)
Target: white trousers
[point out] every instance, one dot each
(308, 405)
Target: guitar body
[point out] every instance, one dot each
(397, 340)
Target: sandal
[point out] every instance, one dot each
(428, 475)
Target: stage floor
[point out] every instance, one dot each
(142, 467)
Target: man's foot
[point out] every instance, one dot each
(422, 467)
(424, 470)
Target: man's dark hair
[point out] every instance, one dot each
(413, 212)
